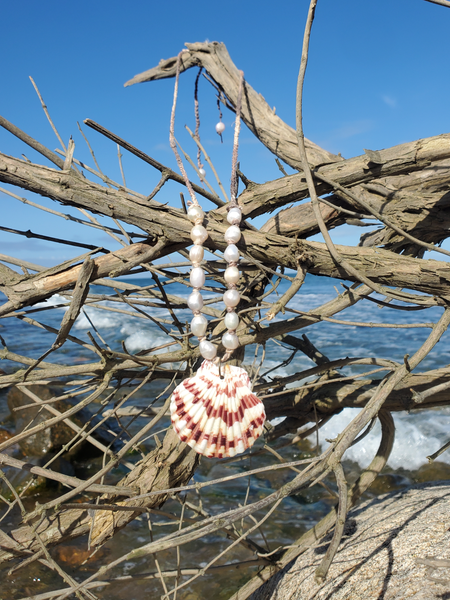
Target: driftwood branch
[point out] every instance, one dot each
(276, 135)
(430, 276)
(398, 160)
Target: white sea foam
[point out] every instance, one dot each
(417, 436)
(143, 339)
(100, 318)
(53, 301)
(137, 341)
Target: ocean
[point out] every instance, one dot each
(425, 430)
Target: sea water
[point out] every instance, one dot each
(418, 434)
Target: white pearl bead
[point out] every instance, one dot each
(230, 341)
(231, 321)
(195, 212)
(234, 216)
(199, 234)
(195, 301)
(232, 234)
(202, 173)
(207, 350)
(231, 275)
(197, 277)
(231, 298)
(196, 254)
(220, 127)
(198, 325)
(231, 253)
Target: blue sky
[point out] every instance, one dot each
(378, 75)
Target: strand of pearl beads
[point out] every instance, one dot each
(232, 297)
(199, 322)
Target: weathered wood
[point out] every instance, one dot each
(431, 277)
(423, 215)
(433, 178)
(170, 466)
(165, 467)
(416, 202)
(51, 156)
(65, 479)
(81, 290)
(41, 286)
(331, 397)
(299, 221)
(258, 199)
(408, 183)
(274, 133)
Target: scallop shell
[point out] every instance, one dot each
(215, 416)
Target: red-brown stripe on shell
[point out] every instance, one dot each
(217, 417)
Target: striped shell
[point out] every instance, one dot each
(214, 416)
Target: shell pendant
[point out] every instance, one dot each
(217, 417)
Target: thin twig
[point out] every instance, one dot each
(289, 294)
(173, 143)
(322, 569)
(210, 163)
(119, 156)
(32, 142)
(48, 115)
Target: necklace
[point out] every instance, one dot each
(215, 413)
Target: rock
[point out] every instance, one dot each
(27, 484)
(52, 439)
(47, 440)
(5, 434)
(74, 555)
(377, 556)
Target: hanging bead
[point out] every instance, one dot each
(195, 213)
(207, 350)
(231, 298)
(232, 234)
(195, 301)
(231, 321)
(197, 277)
(234, 216)
(230, 341)
(202, 174)
(232, 275)
(220, 127)
(196, 254)
(231, 253)
(199, 234)
(198, 325)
